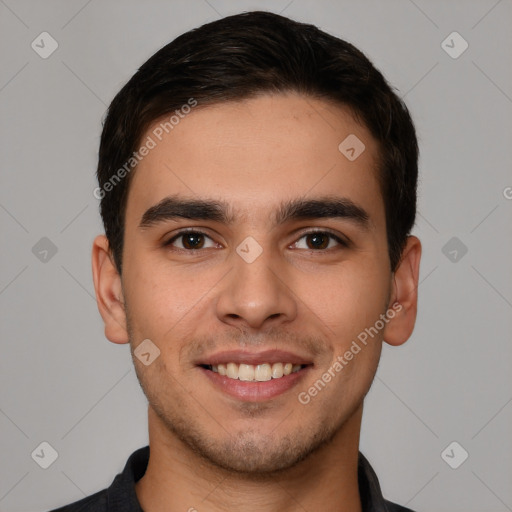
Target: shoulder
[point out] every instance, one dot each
(97, 502)
(393, 507)
(121, 495)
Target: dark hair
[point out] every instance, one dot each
(243, 56)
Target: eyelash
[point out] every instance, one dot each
(169, 243)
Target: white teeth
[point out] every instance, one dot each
(277, 370)
(232, 371)
(263, 372)
(259, 373)
(246, 372)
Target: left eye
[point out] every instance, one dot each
(320, 240)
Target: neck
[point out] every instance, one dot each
(177, 479)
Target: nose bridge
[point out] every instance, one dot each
(255, 290)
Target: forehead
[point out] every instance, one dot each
(256, 153)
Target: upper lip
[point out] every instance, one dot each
(254, 358)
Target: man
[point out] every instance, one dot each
(257, 180)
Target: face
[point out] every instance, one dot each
(287, 265)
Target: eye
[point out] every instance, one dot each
(320, 240)
(190, 240)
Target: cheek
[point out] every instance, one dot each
(348, 299)
(163, 301)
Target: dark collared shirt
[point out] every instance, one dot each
(121, 496)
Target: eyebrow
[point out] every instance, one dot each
(177, 207)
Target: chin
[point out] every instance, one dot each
(254, 454)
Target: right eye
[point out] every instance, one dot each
(191, 240)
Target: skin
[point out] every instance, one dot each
(210, 451)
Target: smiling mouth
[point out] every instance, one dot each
(254, 373)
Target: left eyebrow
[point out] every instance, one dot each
(322, 208)
(174, 207)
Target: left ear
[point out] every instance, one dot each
(404, 297)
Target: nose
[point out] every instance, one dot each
(256, 293)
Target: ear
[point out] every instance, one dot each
(109, 291)
(404, 295)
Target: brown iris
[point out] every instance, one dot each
(317, 237)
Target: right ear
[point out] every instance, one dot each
(109, 291)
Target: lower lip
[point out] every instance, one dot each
(251, 391)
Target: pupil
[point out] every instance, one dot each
(192, 240)
(317, 237)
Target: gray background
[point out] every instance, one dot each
(62, 382)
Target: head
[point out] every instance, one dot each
(235, 131)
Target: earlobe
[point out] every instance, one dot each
(404, 296)
(109, 291)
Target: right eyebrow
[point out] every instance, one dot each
(171, 208)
